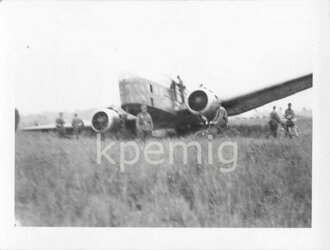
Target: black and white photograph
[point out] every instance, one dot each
(162, 114)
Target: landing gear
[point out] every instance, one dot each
(183, 129)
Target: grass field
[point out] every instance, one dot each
(59, 183)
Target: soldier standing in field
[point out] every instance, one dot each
(60, 129)
(77, 125)
(290, 117)
(289, 114)
(274, 121)
(144, 123)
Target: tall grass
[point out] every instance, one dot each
(59, 183)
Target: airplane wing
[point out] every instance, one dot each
(52, 127)
(112, 115)
(242, 103)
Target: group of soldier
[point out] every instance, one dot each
(145, 126)
(77, 125)
(288, 125)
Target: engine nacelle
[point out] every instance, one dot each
(202, 101)
(105, 120)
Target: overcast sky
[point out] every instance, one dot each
(70, 55)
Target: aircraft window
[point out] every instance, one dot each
(152, 101)
(150, 88)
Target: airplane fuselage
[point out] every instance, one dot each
(163, 102)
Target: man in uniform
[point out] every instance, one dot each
(289, 113)
(77, 125)
(60, 126)
(290, 116)
(274, 121)
(144, 123)
(220, 120)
